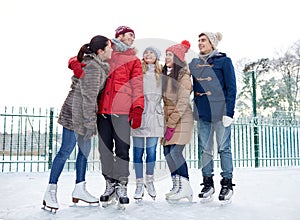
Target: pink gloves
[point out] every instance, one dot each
(169, 133)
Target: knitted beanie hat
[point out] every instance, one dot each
(214, 38)
(180, 49)
(122, 30)
(154, 50)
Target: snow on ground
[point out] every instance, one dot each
(259, 194)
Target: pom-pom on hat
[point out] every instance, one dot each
(155, 51)
(180, 49)
(122, 30)
(214, 38)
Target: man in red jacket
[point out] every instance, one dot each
(120, 106)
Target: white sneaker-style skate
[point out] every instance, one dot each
(139, 191)
(150, 186)
(175, 182)
(184, 191)
(50, 198)
(80, 193)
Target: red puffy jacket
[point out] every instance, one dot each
(124, 86)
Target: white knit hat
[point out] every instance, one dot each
(214, 38)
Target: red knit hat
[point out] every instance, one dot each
(180, 49)
(122, 30)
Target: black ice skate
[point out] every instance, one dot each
(108, 197)
(226, 191)
(121, 194)
(208, 190)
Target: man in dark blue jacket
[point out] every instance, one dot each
(214, 86)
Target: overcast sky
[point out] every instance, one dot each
(38, 37)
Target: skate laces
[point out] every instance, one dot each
(174, 183)
(109, 189)
(206, 187)
(121, 190)
(139, 188)
(150, 186)
(53, 196)
(179, 187)
(224, 189)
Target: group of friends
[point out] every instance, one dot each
(122, 98)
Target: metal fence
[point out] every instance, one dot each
(31, 137)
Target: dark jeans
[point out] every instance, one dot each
(175, 160)
(114, 144)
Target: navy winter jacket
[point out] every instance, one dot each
(214, 86)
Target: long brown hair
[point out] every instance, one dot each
(177, 66)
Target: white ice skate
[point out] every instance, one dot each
(175, 182)
(184, 191)
(139, 191)
(80, 193)
(50, 199)
(150, 186)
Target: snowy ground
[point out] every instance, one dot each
(260, 194)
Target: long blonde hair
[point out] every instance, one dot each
(157, 70)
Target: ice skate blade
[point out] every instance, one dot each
(121, 206)
(108, 203)
(89, 205)
(76, 200)
(206, 200)
(49, 209)
(153, 197)
(225, 202)
(181, 202)
(139, 201)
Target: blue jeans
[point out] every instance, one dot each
(69, 139)
(138, 151)
(206, 132)
(175, 160)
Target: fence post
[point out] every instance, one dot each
(255, 122)
(50, 138)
